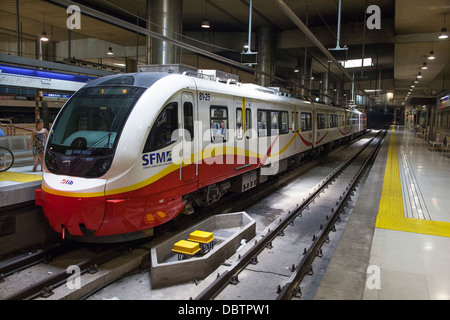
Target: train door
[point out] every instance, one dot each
(188, 116)
(295, 127)
(315, 129)
(242, 132)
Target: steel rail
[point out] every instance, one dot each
(222, 281)
(41, 255)
(47, 284)
(302, 268)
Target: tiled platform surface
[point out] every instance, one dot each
(397, 242)
(18, 184)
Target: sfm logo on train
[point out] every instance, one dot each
(156, 159)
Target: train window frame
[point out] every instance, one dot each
(295, 122)
(274, 115)
(248, 124)
(149, 145)
(273, 127)
(284, 119)
(216, 136)
(333, 120)
(321, 121)
(306, 121)
(188, 120)
(262, 125)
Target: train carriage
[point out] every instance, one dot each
(130, 152)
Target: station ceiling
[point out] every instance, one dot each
(409, 31)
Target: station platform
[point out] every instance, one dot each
(396, 243)
(18, 184)
(18, 175)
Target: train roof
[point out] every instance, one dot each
(207, 82)
(142, 79)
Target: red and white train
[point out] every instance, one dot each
(132, 151)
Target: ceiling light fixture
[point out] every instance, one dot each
(419, 75)
(43, 36)
(431, 56)
(110, 50)
(444, 34)
(205, 22)
(424, 66)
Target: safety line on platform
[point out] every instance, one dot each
(391, 211)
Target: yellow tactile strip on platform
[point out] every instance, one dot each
(19, 177)
(391, 213)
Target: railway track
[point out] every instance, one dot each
(40, 277)
(284, 255)
(43, 286)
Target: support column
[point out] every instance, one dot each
(339, 93)
(265, 46)
(324, 87)
(166, 18)
(130, 65)
(306, 73)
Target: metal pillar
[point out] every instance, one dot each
(324, 87)
(306, 74)
(265, 43)
(165, 18)
(130, 65)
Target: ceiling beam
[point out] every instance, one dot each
(299, 23)
(124, 24)
(6, 58)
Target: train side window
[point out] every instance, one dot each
(188, 112)
(161, 133)
(248, 121)
(262, 123)
(284, 122)
(295, 119)
(219, 123)
(306, 123)
(333, 120)
(240, 121)
(320, 121)
(274, 123)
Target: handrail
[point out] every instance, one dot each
(10, 127)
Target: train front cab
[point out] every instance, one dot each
(79, 152)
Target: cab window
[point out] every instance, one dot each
(161, 133)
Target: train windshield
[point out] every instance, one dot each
(84, 137)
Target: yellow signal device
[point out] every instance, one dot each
(186, 247)
(201, 236)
